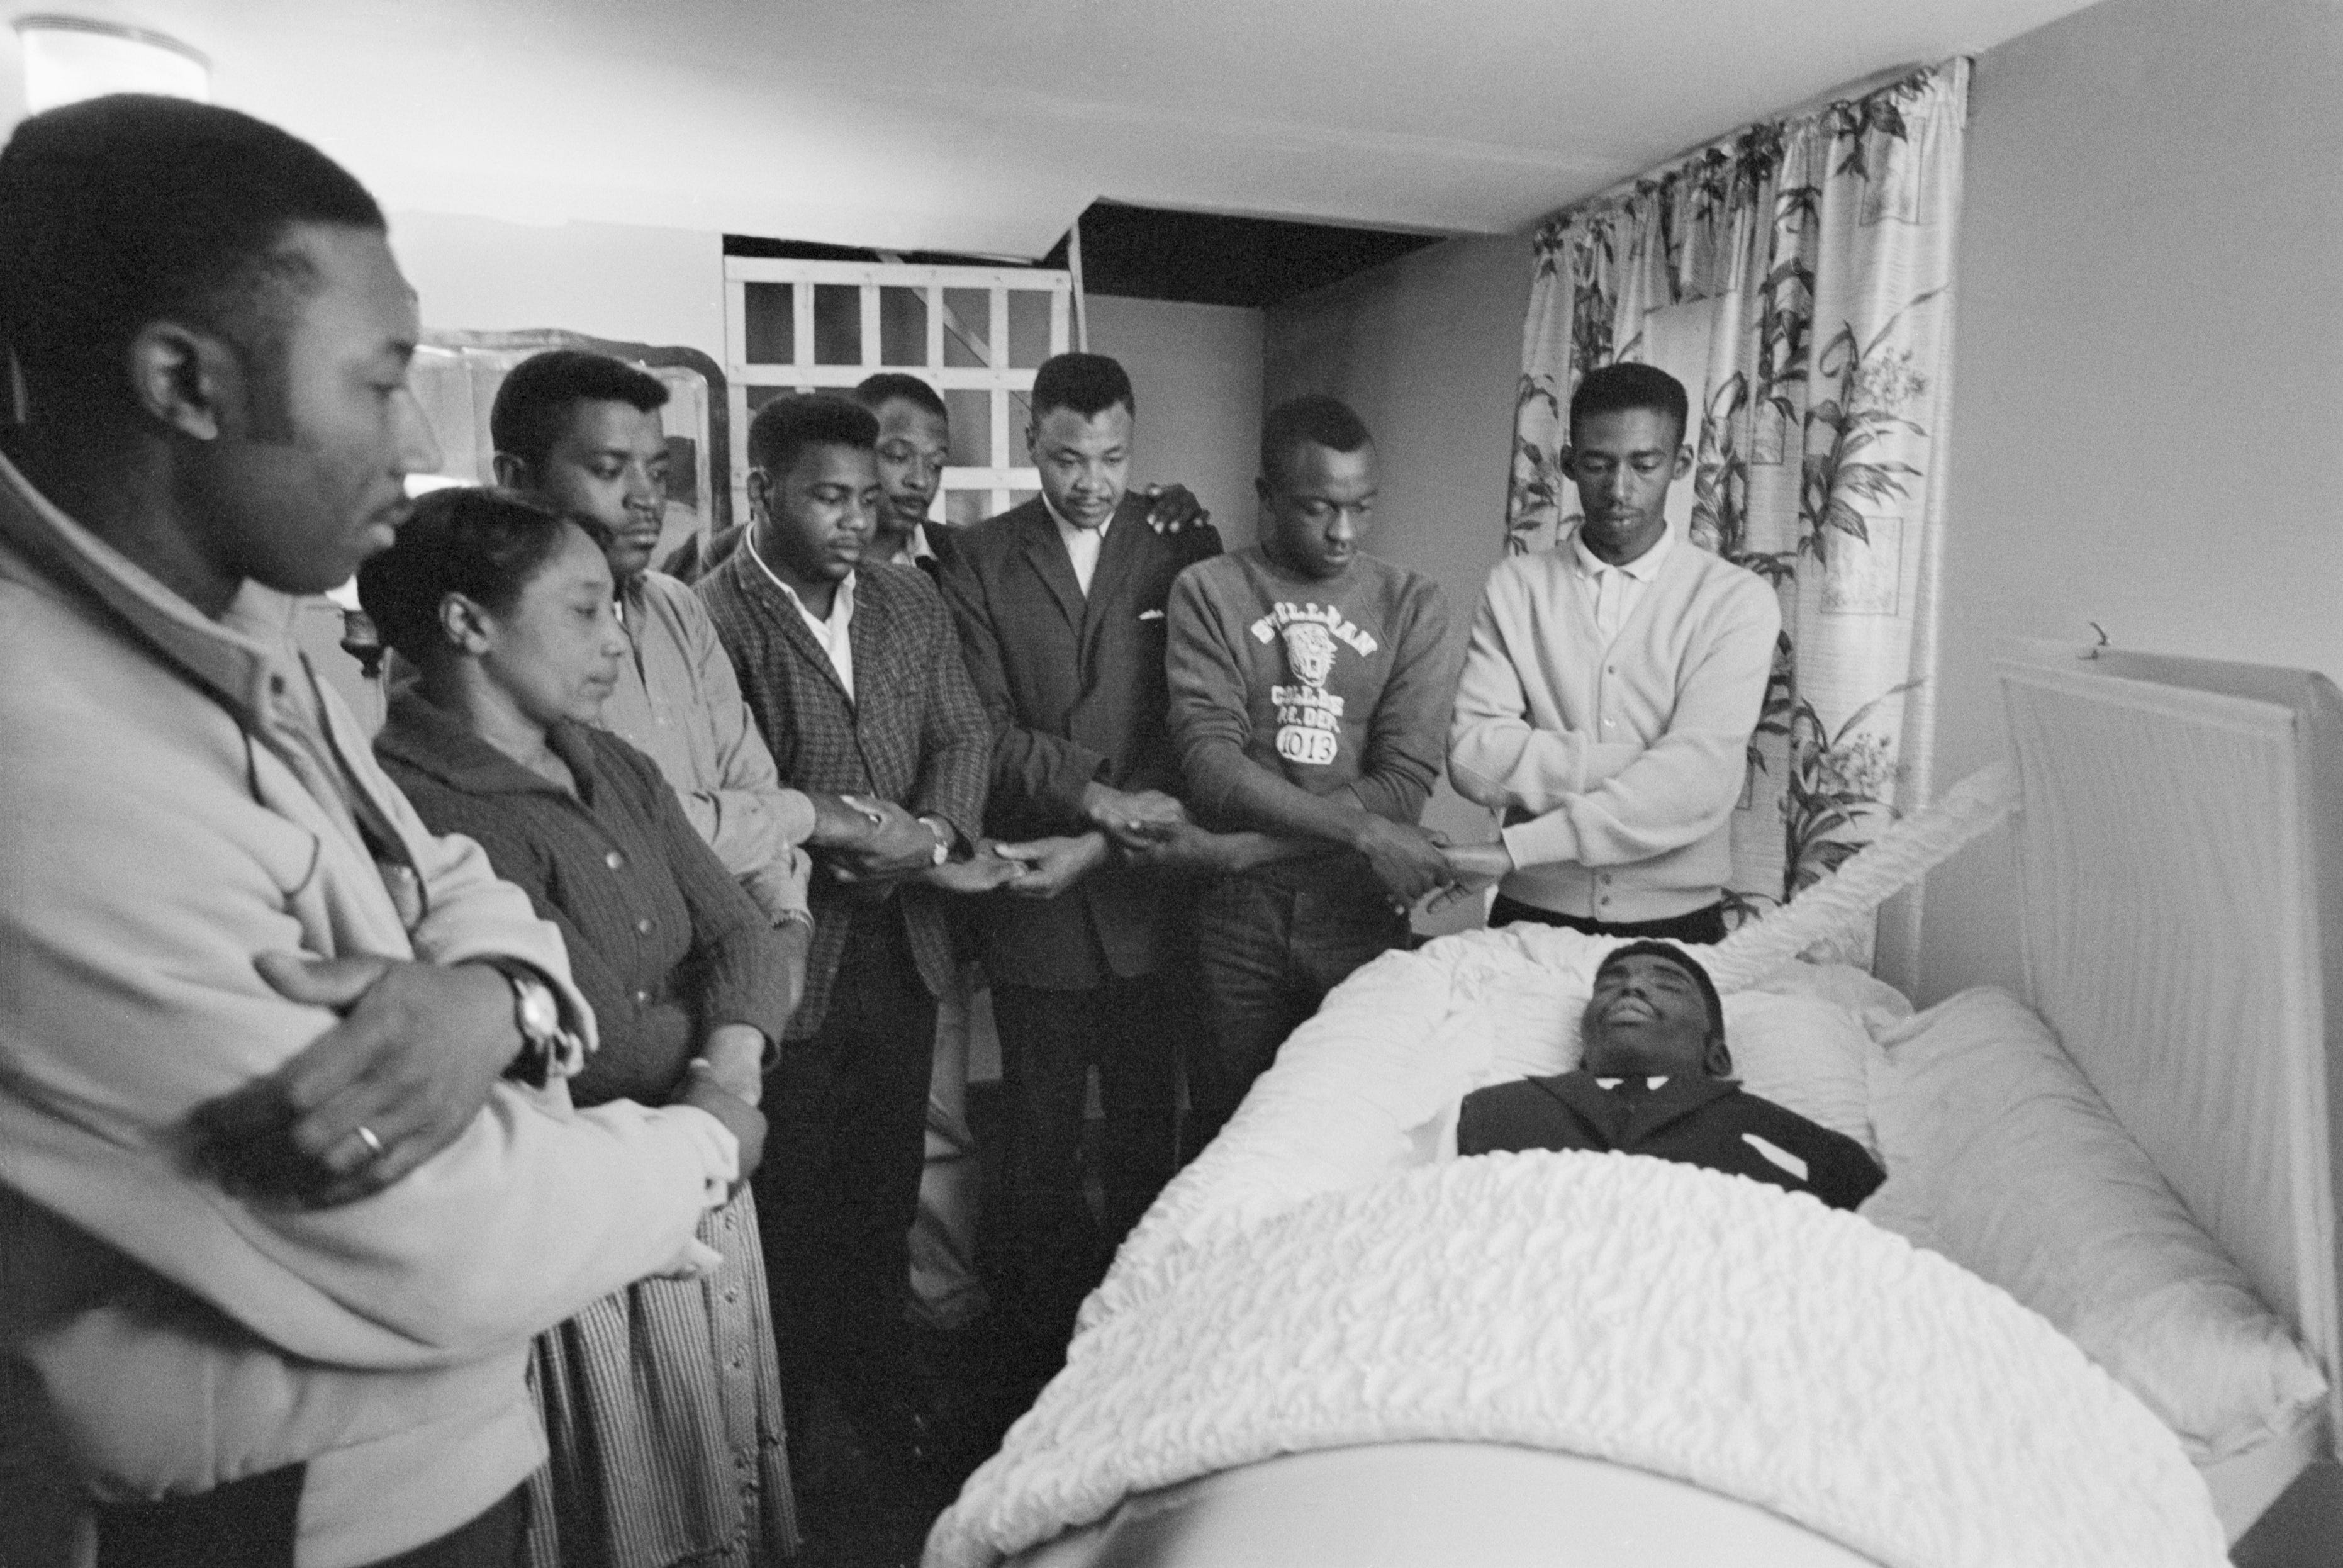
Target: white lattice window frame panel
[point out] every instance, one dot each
(1001, 478)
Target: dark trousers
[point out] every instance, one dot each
(1271, 946)
(251, 1524)
(1700, 926)
(839, 1185)
(1133, 1030)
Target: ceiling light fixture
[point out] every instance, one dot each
(69, 58)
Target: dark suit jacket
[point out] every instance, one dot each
(914, 731)
(1074, 690)
(1693, 1120)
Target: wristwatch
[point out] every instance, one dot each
(944, 838)
(537, 1014)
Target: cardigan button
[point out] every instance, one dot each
(614, 859)
(643, 927)
(642, 999)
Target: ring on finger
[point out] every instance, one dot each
(373, 1143)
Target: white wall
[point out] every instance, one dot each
(1196, 370)
(2148, 375)
(1428, 349)
(658, 285)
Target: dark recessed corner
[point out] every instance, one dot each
(1154, 253)
(1205, 259)
(809, 250)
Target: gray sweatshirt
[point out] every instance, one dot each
(1343, 682)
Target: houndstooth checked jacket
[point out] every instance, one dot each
(916, 732)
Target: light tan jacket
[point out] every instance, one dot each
(178, 796)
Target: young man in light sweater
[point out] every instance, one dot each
(1309, 686)
(1609, 691)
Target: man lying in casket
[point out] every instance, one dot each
(1656, 1079)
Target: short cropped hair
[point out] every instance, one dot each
(119, 211)
(1616, 388)
(483, 544)
(794, 422)
(1313, 420)
(1683, 960)
(874, 392)
(1088, 384)
(533, 405)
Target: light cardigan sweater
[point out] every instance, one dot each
(1615, 767)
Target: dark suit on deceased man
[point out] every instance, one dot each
(1656, 1082)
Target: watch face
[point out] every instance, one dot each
(541, 1015)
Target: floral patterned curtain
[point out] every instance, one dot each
(1797, 277)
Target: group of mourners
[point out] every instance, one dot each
(410, 1144)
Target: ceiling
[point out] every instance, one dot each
(987, 125)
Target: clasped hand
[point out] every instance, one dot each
(1472, 867)
(1050, 866)
(895, 843)
(401, 1075)
(727, 1081)
(1133, 819)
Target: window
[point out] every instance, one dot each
(976, 334)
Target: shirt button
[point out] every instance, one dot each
(614, 859)
(642, 999)
(643, 927)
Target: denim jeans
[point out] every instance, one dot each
(1272, 944)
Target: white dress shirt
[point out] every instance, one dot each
(1617, 590)
(1082, 545)
(831, 633)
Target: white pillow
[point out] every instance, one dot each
(1806, 1053)
(2002, 1157)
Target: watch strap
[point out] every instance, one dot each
(545, 1039)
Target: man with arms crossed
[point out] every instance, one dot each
(241, 987)
(1610, 688)
(1309, 686)
(1060, 604)
(855, 676)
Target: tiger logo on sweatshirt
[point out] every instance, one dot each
(1309, 716)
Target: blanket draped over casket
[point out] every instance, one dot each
(1741, 1338)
